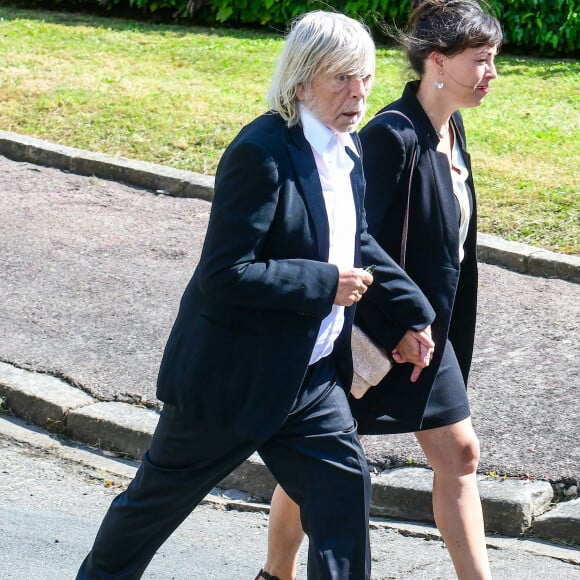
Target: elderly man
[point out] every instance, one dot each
(260, 351)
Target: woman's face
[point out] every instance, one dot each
(467, 75)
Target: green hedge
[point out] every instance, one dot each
(547, 27)
(535, 27)
(279, 12)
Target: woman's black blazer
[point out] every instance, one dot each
(432, 255)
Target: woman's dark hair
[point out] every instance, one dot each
(448, 27)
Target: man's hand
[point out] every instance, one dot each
(416, 348)
(352, 284)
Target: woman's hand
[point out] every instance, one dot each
(416, 347)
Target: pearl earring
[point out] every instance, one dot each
(439, 84)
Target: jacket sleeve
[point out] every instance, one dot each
(234, 267)
(393, 303)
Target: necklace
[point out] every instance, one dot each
(430, 114)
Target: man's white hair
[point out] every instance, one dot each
(319, 41)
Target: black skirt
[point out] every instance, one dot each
(447, 403)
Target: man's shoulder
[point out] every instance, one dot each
(266, 136)
(270, 133)
(264, 127)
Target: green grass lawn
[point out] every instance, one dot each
(176, 95)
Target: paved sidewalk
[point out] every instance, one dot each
(93, 274)
(69, 487)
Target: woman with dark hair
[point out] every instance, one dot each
(451, 46)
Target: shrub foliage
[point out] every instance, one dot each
(546, 27)
(535, 27)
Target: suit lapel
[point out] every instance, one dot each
(357, 178)
(358, 188)
(309, 185)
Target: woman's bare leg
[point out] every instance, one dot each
(453, 453)
(284, 536)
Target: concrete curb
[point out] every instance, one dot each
(527, 259)
(511, 507)
(151, 176)
(491, 249)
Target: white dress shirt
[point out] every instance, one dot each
(334, 167)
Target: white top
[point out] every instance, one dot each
(459, 174)
(334, 167)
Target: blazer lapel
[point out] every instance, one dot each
(309, 185)
(358, 188)
(447, 203)
(467, 160)
(357, 179)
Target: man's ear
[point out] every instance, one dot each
(300, 91)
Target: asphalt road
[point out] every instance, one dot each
(92, 273)
(53, 496)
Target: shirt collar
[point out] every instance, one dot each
(320, 136)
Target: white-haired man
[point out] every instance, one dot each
(259, 355)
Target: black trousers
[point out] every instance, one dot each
(315, 456)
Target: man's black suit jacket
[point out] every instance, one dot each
(249, 317)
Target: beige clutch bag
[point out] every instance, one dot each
(370, 363)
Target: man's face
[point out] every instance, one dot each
(337, 100)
